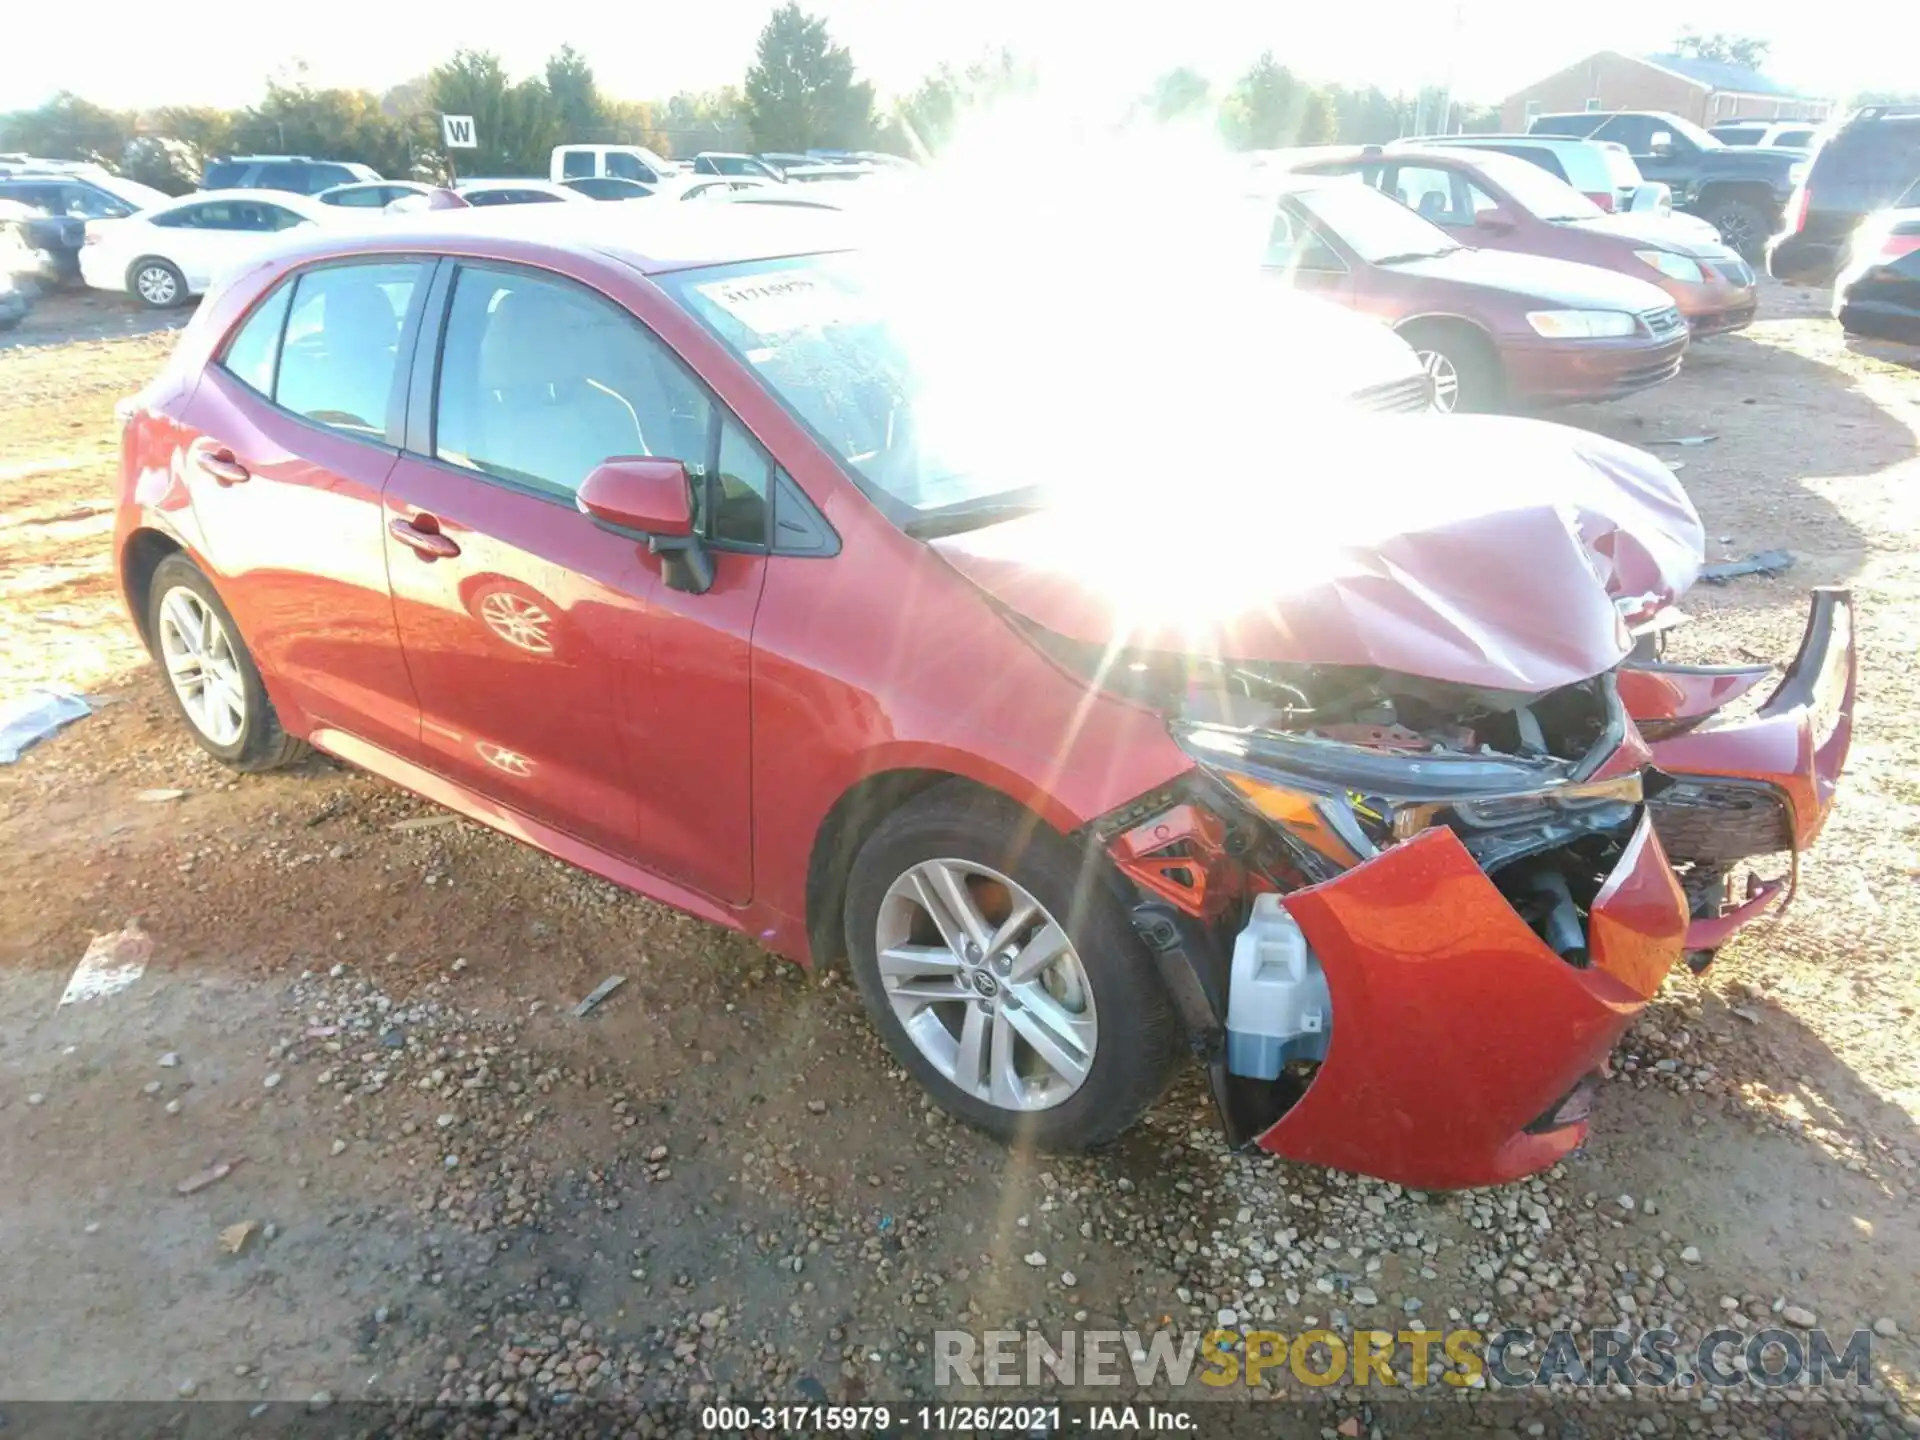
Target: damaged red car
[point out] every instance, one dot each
(1336, 757)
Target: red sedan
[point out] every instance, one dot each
(665, 561)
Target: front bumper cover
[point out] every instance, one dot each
(1457, 1027)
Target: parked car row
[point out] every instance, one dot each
(1516, 289)
(647, 542)
(1741, 190)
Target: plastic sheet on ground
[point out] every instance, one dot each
(25, 719)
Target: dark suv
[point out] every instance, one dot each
(1740, 190)
(1864, 166)
(298, 173)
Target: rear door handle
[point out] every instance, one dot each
(427, 543)
(218, 461)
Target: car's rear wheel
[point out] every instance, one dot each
(157, 283)
(1004, 976)
(1743, 228)
(210, 673)
(1461, 367)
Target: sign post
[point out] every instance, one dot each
(457, 133)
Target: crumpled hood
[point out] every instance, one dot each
(1477, 550)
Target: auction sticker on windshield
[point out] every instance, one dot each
(782, 301)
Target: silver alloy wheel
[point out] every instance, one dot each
(1444, 379)
(157, 285)
(1001, 1006)
(200, 661)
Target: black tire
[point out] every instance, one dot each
(262, 743)
(1139, 1036)
(1743, 227)
(174, 296)
(1480, 377)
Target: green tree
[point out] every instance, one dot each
(297, 119)
(1748, 50)
(1369, 116)
(1270, 107)
(693, 121)
(801, 91)
(925, 120)
(67, 128)
(578, 109)
(1180, 92)
(515, 125)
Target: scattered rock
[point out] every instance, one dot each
(1800, 1316)
(201, 1179)
(1036, 1259)
(272, 1082)
(234, 1238)
(1886, 1328)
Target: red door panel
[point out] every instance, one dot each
(520, 644)
(299, 552)
(692, 727)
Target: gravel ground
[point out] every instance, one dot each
(442, 1185)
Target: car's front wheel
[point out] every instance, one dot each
(1004, 975)
(210, 674)
(1462, 368)
(157, 283)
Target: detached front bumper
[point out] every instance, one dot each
(1459, 1034)
(1761, 785)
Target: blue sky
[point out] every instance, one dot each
(221, 51)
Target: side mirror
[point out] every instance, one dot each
(1662, 142)
(653, 497)
(1496, 219)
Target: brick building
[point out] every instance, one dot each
(1703, 91)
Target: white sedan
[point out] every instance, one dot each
(165, 256)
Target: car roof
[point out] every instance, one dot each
(285, 199)
(654, 241)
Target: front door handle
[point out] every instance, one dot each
(218, 461)
(427, 543)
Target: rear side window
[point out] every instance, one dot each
(372, 196)
(254, 351)
(1534, 155)
(629, 167)
(341, 348)
(576, 164)
(1881, 156)
(224, 175)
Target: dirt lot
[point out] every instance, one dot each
(717, 1185)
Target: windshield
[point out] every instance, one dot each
(1687, 130)
(1379, 230)
(950, 398)
(1533, 189)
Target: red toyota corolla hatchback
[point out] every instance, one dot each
(656, 557)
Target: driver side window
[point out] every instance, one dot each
(1433, 193)
(540, 381)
